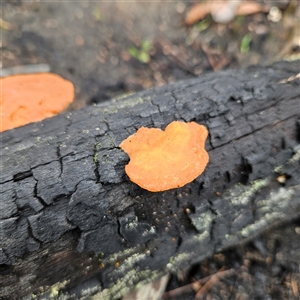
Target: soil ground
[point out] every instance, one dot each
(112, 48)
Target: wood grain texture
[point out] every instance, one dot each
(73, 225)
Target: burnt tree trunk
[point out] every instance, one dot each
(73, 224)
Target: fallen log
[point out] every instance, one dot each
(74, 226)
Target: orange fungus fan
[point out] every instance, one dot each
(163, 160)
(32, 97)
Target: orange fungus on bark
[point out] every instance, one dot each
(163, 160)
(29, 98)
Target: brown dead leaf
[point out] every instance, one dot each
(198, 12)
(251, 7)
(6, 25)
(217, 59)
(223, 11)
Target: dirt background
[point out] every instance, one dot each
(113, 48)
(92, 43)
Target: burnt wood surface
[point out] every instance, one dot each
(73, 225)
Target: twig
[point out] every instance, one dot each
(212, 281)
(197, 284)
(186, 288)
(295, 287)
(25, 69)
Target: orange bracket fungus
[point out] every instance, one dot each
(163, 160)
(29, 98)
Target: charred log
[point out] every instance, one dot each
(72, 224)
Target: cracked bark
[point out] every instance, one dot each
(71, 220)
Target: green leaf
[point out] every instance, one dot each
(245, 43)
(97, 14)
(133, 51)
(146, 46)
(202, 25)
(144, 57)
